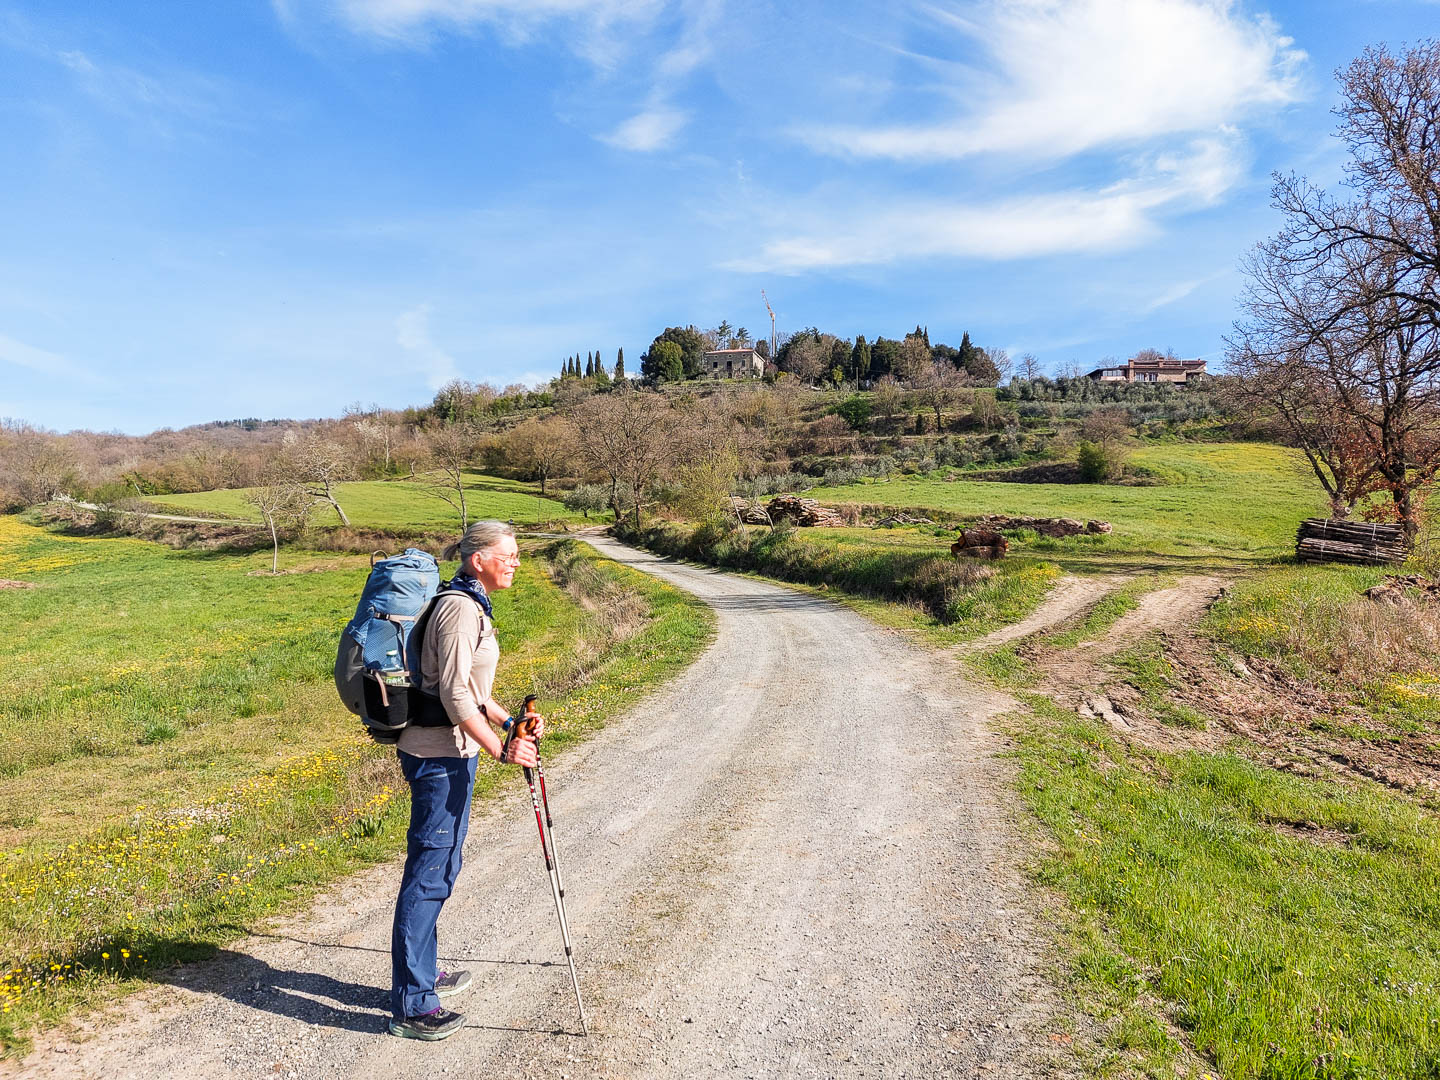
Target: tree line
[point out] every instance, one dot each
(817, 357)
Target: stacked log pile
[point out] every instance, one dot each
(1364, 542)
(751, 513)
(980, 543)
(1057, 527)
(806, 512)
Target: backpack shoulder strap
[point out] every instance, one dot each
(422, 626)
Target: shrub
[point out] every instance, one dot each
(1100, 461)
(855, 411)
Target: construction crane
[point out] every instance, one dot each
(771, 310)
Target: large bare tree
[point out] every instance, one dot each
(35, 465)
(1339, 335)
(629, 436)
(319, 464)
(541, 448)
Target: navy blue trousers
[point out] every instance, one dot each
(440, 790)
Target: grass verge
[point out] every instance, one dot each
(178, 767)
(1291, 927)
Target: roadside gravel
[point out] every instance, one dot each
(796, 859)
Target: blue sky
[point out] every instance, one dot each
(279, 207)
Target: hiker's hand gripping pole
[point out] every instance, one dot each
(524, 728)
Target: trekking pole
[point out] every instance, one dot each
(524, 726)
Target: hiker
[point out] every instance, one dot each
(457, 667)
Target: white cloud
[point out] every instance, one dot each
(1048, 223)
(19, 354)
(649, 130)
(410, 20)
(1066, 76)
(412, 333)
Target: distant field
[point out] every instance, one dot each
(380, 504)
(1231, 502)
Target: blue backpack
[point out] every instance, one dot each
(373, 666)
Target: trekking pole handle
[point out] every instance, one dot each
(520, 725)
(523, 721)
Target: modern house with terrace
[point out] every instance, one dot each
(1162, 370)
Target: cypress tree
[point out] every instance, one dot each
(860, 357)
(620, 365)
(589, 365)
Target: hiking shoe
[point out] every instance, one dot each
(451, 983)
(432, 1026)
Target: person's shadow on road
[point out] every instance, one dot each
(309, 996)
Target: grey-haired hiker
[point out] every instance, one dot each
(457, 668)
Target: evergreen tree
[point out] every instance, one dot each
(620, 365)
(860, 358)
(602, 377)
(589, 365)
(967, 351)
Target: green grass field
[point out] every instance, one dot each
(176, 761)
(1290, 927)
(1232, 504)
(390, 504)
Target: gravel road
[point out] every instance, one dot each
(796, 859)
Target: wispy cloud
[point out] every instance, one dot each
(168, 101)
(1059, 77)
(412, 333)
(879, 230)
(18, 354)
(594, 24)
(675, 37)
(652, 129)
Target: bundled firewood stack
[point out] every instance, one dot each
(751, 513)
(1364, 542)
(1057, 527)
(807, 512)
(979, 543)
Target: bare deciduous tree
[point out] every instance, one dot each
(1340, 325)
(449, 450)
(318, 464)
(630, 437)
(1028, 366)
(937, 387)
(35, 465)
(541, 448)
(283, 503)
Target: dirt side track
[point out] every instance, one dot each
(794, 860)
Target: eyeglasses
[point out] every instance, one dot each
(513, 560)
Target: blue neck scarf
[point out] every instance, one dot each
(470, 587)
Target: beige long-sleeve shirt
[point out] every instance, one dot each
(457, 665)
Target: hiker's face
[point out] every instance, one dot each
(495, 566)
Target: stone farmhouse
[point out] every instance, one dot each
(1169, 371)
(733, 364)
